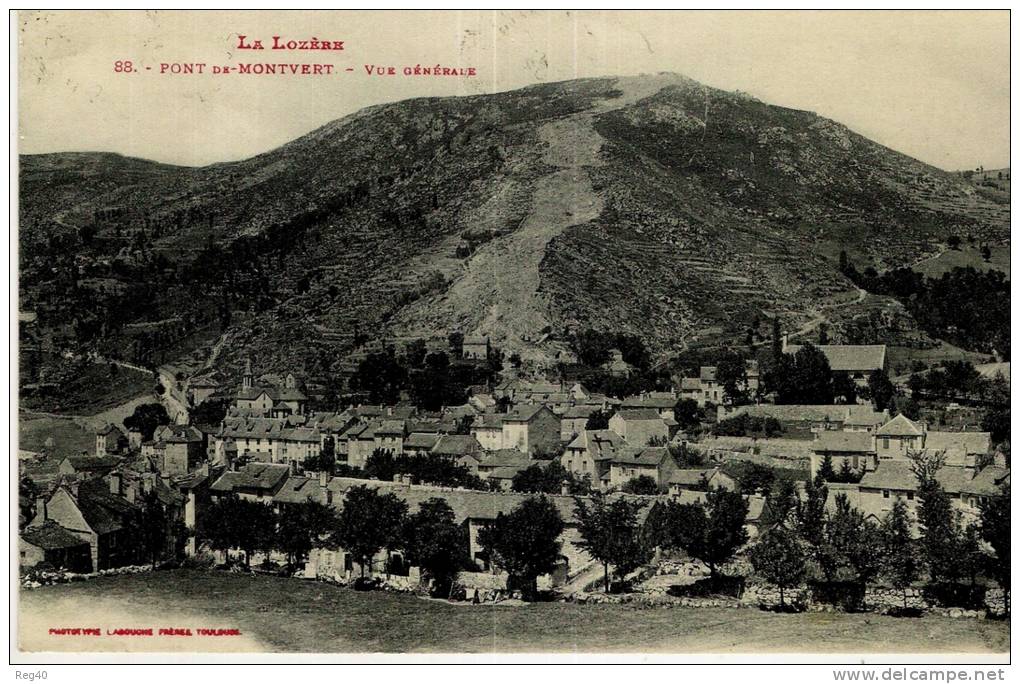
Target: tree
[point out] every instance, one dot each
(811, 377)
(986, 253)
(811, 526)
(257, 528)
(210, 412)
(541, 479)
(858, 541)
(598, 420)
(996, 421)
(953, 241)
(940, 534)
(731, 373)
(380, 377)
(302, 527)
(881, 389)
(642, 484)
(381, 465)
(825, 470)
(779, 559)
(782, 504)
(28, 492)
(153, 527)
(611, 535)
(688, 415)
(414, 353)
(995, 529)
(456, 342)
(900, 562)
(716, 534)
(436, 543)
(146, 418)
(368, 523)
(756, 478)
(217, 524)
(525, 542)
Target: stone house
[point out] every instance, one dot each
(531, 429)
(487, 428)
(110, 440)
(254, 482)
(476, 347)
(639, 427)
(629, 463)
(858, 361)
(51, 544)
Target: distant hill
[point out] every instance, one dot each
(652, 205)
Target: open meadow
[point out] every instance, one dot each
(285, 614)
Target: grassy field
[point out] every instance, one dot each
(967, 256)
(291, 615)
(90, 389)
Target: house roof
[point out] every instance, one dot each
(390, 427)
(178, 434)
(690, 383)
(849, 357)
(988, 482)
(476, 339)
(640, 414)
(898, 475)
(648, 456)
(900, 426)
(848, 442)
(690, 476)
(104, 512)
(300, 490)
(50, 536)
(252, 476)
(109, 429)
(652, 402)
(456, 445)
(421, 440)
(505, 457)
(93, 463)
(488, 421)
(707, 373)
(579, 411)
(865, 415)
(967, 442)
(522, 413)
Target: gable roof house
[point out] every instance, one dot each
(858, 361)
(254, 482)
(531, 429)
(628, 463)
(91, 512)
(639, 427)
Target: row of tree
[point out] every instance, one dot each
(807, 540)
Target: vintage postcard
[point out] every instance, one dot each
(513, 332)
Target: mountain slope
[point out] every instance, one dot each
(652, 205)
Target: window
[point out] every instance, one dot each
(885, 442)
(885, 493)
(910, 496)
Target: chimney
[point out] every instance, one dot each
(786, 341)
(323, 478)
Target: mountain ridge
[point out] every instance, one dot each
(650, 205)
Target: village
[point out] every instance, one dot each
(704, 490)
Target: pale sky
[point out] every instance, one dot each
(933, 85)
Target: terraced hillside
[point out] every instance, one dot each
(652, 205)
